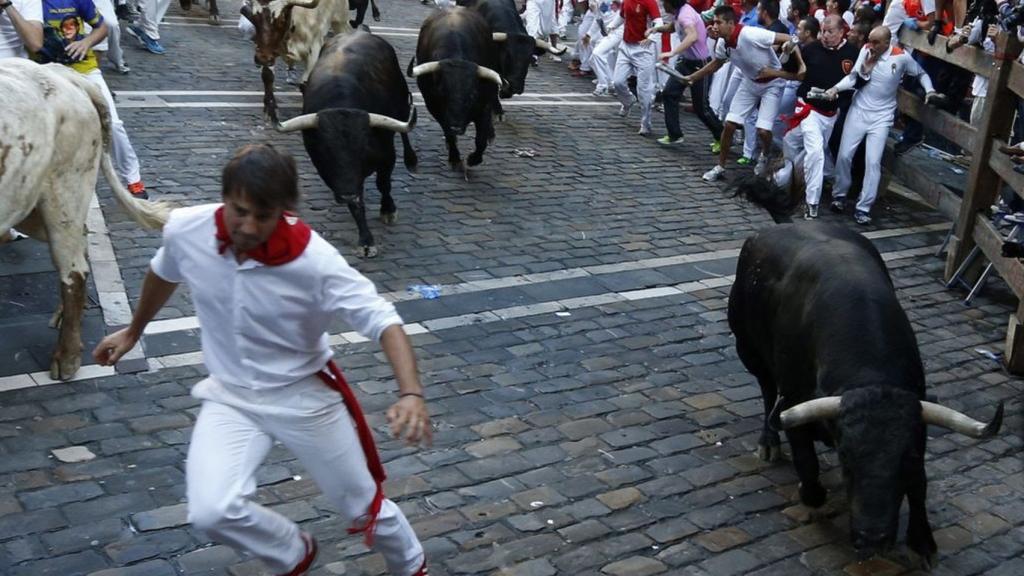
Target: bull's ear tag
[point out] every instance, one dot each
(774, 417)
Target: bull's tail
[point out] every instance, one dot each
(147, 214)
(763, 192)
(152, 215)
(408, 154)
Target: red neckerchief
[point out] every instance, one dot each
(735, 36)
(287, 242)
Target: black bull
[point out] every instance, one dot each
(354, 103)
(516, 48)
(456, 76)
(817, 321)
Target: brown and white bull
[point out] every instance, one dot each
(54, 137)
(294, 30)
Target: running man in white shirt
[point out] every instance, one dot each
(21, 26)
(265, 288)
(751, 51)
(876, 76)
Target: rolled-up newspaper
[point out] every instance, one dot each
(818, 94)
(671, 72)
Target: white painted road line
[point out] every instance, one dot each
(195, 358)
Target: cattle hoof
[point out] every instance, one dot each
(769, 453)
(813, 495)
(367, 251)
(65, 368)
(475, 159)
(389, 217)
(214, 19)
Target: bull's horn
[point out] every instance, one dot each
(388, 123)
(488, 74)
(499, 36)
(811, 411)
(959, 422)
(300, 4)
(304, 122)
(546, 46)
(425, 68)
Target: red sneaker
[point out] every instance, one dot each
(138, 190)
(304, 566)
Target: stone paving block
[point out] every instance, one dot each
(55, 496)
(493, 446)
(723, 539)
(160, 518)
(150, 568)
(30, 523)
(635, 566)
(77, 563)
(145, 546)
(207, 560)
(619, 499)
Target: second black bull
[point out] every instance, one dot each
(355, 102)
(458, 79)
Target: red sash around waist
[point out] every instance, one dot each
(331, 376)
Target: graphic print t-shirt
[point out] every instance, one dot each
(64, 20)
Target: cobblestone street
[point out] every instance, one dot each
(591, 415)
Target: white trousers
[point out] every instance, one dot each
(126, 163)
(787, 104)
(806, 146)
(151, 12)
(750, 141)
(719, 84)
(605, 56)
(586, 51)
(636, 59)
(235, 430)
(861, 126)
(112, 43)
(540, 18)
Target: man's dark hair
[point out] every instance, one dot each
(673, 6)
(771, 8)
(801, 7)
(865, 14)
(262, 175)
(844, 6)
(725, 12)
(812, 26)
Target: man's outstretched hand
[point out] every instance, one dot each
(410, 420)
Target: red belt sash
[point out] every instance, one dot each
(331, 376)
(803, 110)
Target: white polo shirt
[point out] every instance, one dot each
(11, 45)
(265, 326)
(878, 96)
(754, 51)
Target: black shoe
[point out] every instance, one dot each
(904, 146)
(838, 205)
(936, 27)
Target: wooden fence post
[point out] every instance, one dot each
(996, 122)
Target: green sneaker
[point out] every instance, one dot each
(667, 140)
(744, 161)
(716, 147)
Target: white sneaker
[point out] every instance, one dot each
(714, 174)
(625, 108)
(600, 91)
(554, 58)
(644, 130)
(761, 166)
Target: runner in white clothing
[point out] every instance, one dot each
(21, 25)
(265, 289)
(751, 51)
(876, 76)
